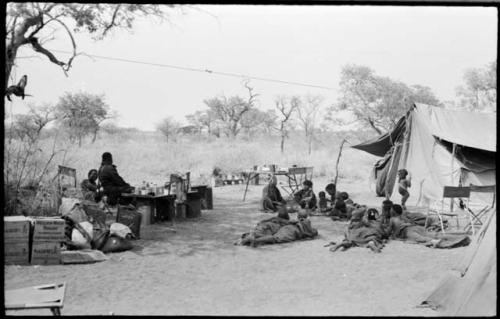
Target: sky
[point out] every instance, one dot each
(430, 46)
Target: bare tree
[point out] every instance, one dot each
(28, 22)
(25, 162)
(81, 114)
(479, 91)
(169, 127)
(230, 111)
(307, 111)
(285, 109)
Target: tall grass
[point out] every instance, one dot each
(146, 156)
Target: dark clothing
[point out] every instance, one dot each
(306, 198)
(418, 234)
(112, 183)
(295, 231)
(270, 195)
(90, 190)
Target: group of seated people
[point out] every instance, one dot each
(338, 206)
(366, 228)
(105, 183)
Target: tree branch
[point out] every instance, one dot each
(112, 23)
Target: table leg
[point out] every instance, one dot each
(56, 311)
(248, 182)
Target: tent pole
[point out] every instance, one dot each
(453, 150)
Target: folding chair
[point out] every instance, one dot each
(451, 192)
(63, 174)
(38, 297)
(476, 217)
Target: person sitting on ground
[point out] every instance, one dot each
(331, 189)
(305, 197)
(295, 230)
(398, 228)
(271, 196)
(90, 190)
(345, 197)
(364, 230)
(324, 208)
(112, 183)
(404, 182)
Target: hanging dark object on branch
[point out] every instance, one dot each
(17, 90)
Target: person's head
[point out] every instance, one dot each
(107, 158)
(396, 210)
(283, 212)
(307, 184)
(92, 175)
(331, 189)
(273, 180)
(402, 173)
(322, 195)
(372, 214)
(344, 196)
(301, 215)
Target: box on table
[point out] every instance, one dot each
(16, 229)
(49, 229)
(46, 253)
(17, 253)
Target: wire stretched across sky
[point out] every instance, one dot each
(201, 70)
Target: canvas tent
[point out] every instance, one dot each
(471, 288)
(439, 147)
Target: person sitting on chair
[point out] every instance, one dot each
(271, 196)
(112, 183)
(306, 197)
(89, 187)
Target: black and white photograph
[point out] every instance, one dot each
(282, 159)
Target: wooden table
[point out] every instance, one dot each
(162, 206)
(295, 177)
(37, 297)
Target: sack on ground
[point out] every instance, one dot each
(82, 235)
(120, 230)
(116, 244)
(67, 204)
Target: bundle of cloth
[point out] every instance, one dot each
(368, 228)
(363, 230)
(279, 229)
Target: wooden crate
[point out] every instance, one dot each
(16, 229)
(17, 253)
(50, 229)
(46, 253)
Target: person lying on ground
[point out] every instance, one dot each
(271, 196)
(90, 190)
(265, 227)
(398, 228)
(305, 197)
(112, 183)
(404, 182)
(294, 230)
(364, 230)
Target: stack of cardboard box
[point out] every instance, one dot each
(48, 234)
(16, 234)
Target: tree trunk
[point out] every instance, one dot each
(10, 57)
(282, 143)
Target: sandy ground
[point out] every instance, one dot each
(193, 268)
